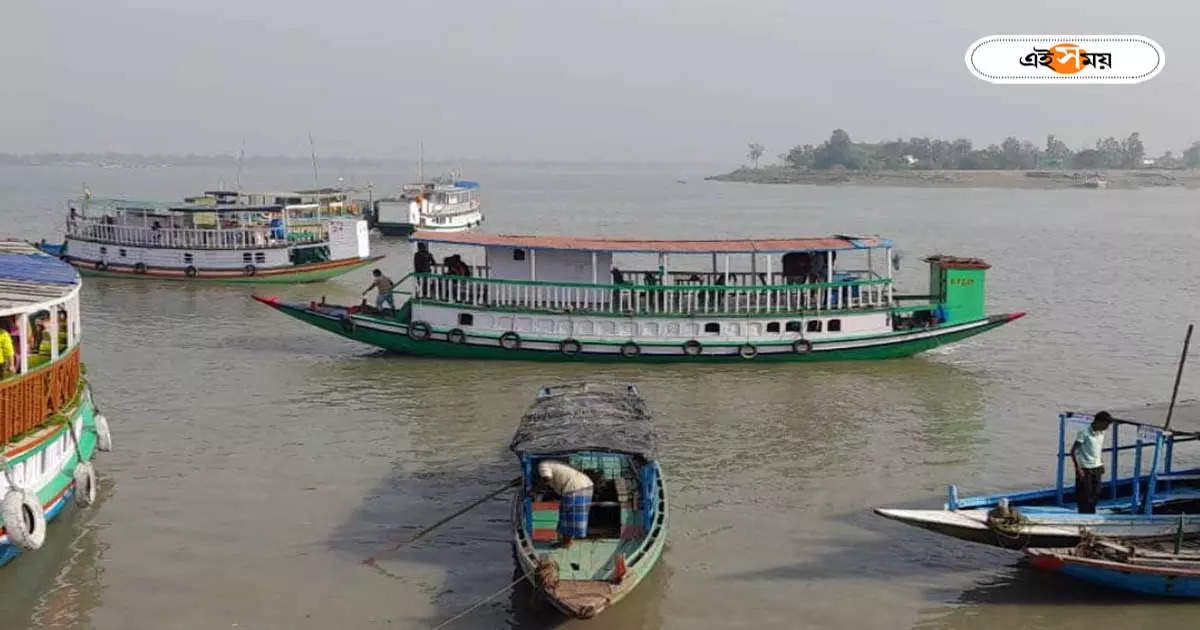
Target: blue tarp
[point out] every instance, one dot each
(39, 268)
(466, 183)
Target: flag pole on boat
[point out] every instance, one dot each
(1187, 340)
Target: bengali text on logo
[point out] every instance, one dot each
(1065, 59)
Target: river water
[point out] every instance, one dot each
(259, 461)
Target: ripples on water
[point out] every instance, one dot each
(259, 461)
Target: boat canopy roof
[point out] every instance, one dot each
(610, 244)
(29, 277)
(127, 205)
(1185, 418)
(586, 417)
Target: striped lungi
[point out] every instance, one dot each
(573, 513)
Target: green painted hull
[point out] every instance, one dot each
(886, 346)
(290, 277)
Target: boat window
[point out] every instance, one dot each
(518, 254)
(814, 325)
(772, 327)
(835, 325)
(187, 258)
(793, 326)
(103, 250)
(260, 257)
(712, 327)
(246, 257)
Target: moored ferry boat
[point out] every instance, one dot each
(1159, 499)
(49, 425)
(255, 237)
(442, 205)
(567, 298)
(602, 432)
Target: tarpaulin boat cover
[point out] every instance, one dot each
(587, 417)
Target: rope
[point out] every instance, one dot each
(479, 603)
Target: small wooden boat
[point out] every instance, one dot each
(1155, 501)
(304, 236)
(49, 425)
(605, 432)
(550, 298)
(1153, 568)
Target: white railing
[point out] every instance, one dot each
(653, 300)
(195, 238)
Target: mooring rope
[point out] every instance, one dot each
(480, 603)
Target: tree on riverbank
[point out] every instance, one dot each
(756, 151)
(929, 153)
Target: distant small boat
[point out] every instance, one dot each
(1095, 181)
(1149, 568)
(681, 181)
(605, 432)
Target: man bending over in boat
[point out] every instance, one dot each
(1089, 467)
(575, 490)
(383, 285)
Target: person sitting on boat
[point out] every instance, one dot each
(575, 491)
(384, 286)
(1086, 452)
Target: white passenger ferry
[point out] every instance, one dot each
(444, 205)
(572, 298)
(256, 237)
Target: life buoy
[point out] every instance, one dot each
(139, 268)
(456, 335)
(630, 350)
(190, 271)
(420, 331)
(85, 484)
(101, 265)
(510, 340)
(249, 270)
(748, 351)
(801, 346)
(24, 520)
(569, 347)
(103, 435)
(692, 348)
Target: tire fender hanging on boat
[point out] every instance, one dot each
(456, 335)
(139, 268)
(801, 346)
(103, 435)
(190, 271)
(630, 350)
(24, 520)
(101, 265)
(510, 340)
(85, 484)
(347, 323)
(420, 331)
(692, 347)
(249, 270)
(748, 351)
(569, 347)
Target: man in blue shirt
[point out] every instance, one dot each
(1087, 452)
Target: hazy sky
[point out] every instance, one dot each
(685, 80)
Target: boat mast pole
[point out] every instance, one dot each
(313, 149)
(1187, 340)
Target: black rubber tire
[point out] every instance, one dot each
(101, 265)
(569, 347)
(190, 271)
(249, 270)
(630, 350)
(510, 341)
(347, 324)
(419, 331)
(456, 335)
(139, 268)
(692, 348)
(748, 351)
(801, 346)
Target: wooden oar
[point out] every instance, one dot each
(1187, 340)
(404, 543)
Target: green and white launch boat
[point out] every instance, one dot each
(576, 299)
(49, 425)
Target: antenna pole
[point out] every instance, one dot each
(312, 147)
(1187, 340)
(238, 177)
(421, 163)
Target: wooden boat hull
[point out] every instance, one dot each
(394, 334)
(57, 490)
(1130, 577)
(311, 272)
(584, 599)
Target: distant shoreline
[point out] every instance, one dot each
(1033, 179)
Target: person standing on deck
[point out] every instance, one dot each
(1089, 467)
(575, 490)
(8, 354)
(423, 262)
(383, 285)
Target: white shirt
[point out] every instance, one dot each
(562, 478)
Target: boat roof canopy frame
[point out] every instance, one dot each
(837, 242)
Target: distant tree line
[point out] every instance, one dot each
(840, 152)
